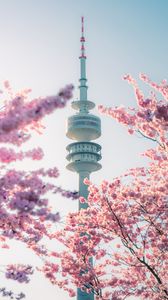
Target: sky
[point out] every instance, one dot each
(40, 49)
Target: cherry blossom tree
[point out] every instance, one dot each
(124, 228)
(25, 213)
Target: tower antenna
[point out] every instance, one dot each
(82, 39)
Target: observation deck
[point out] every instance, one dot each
(83, 127)
(83, 156)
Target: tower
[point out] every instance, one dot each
(83, 127)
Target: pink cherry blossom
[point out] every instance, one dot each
(19, 273)
(19, 116)
(7, 293)
(26, 214)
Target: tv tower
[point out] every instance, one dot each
(83, 127)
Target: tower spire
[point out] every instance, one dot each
(83, 87)
(82, 39)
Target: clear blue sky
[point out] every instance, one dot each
(40, 49)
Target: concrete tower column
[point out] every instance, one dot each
(83, 192)
(83, 188)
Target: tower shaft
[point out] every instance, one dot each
(83, 87)
(83, 192)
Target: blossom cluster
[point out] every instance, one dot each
(19, 273)
(5, 293)
(25, 212)
(150, 119)
(19, 114)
